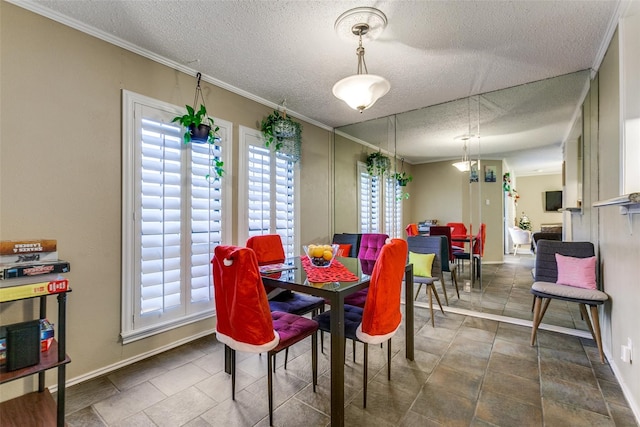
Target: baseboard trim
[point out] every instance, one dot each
(126, 362)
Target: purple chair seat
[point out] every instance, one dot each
(352, 318)
(291, 328)
(357, 298)
(297, 303)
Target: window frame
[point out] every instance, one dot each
(131, 194)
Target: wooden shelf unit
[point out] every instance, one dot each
(39, 407)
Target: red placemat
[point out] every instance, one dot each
(334, 273)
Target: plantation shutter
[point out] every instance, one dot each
(161, 211)
(271, 195)
(393, 208)
(369, 198)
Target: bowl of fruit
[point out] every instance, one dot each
(321, 255)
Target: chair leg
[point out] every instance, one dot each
(286, 356)
(536, 313)
(435, 294)
(444, 288)
(454, 279)
(595, 328)
(418, 291)
(365, 373)
(429, 290)
(233, 374)
(314, 360)
(389, 359)
(585, 317)
(270, 387)
(515, 249)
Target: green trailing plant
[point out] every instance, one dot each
(378, 163)
(402, 178)
(278, 128)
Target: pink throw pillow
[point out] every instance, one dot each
(577, 272)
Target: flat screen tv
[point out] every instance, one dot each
(552, 201)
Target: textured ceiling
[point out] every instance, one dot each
(431, 51)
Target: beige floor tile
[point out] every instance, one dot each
(179, 378)
(500, 410)
(559, 414)
(128, 402)
(180, 408)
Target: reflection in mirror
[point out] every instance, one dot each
(521, 130)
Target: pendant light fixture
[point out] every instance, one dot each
(465, 164)
(361, 90)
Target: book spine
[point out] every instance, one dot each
(14, 247)
(14, 271)
(13, 293)
(29, 258)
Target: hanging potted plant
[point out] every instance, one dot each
(200, 128)
(402, 178)
(378, 164)
(282, 133)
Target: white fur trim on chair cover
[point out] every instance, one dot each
(249, 348)
(374, 339)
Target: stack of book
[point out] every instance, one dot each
(31, 268)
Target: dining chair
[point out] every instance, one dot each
(351, 239)
(425, 253)
(370, 246)
(381, 316)
(566, 271)
(477, 250)
(244, 321)
(459, 229)
(449, 255)
(412, 229)
(269, 250)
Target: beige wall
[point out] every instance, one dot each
(445, 194)
(62, 179)
(531, 190)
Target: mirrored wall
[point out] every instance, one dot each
(504, 130)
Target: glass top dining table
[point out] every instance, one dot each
(295, 279)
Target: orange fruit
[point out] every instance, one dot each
(327, 255)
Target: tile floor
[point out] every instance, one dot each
(468, 371)
(505, 292)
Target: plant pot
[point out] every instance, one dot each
(200, 134)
